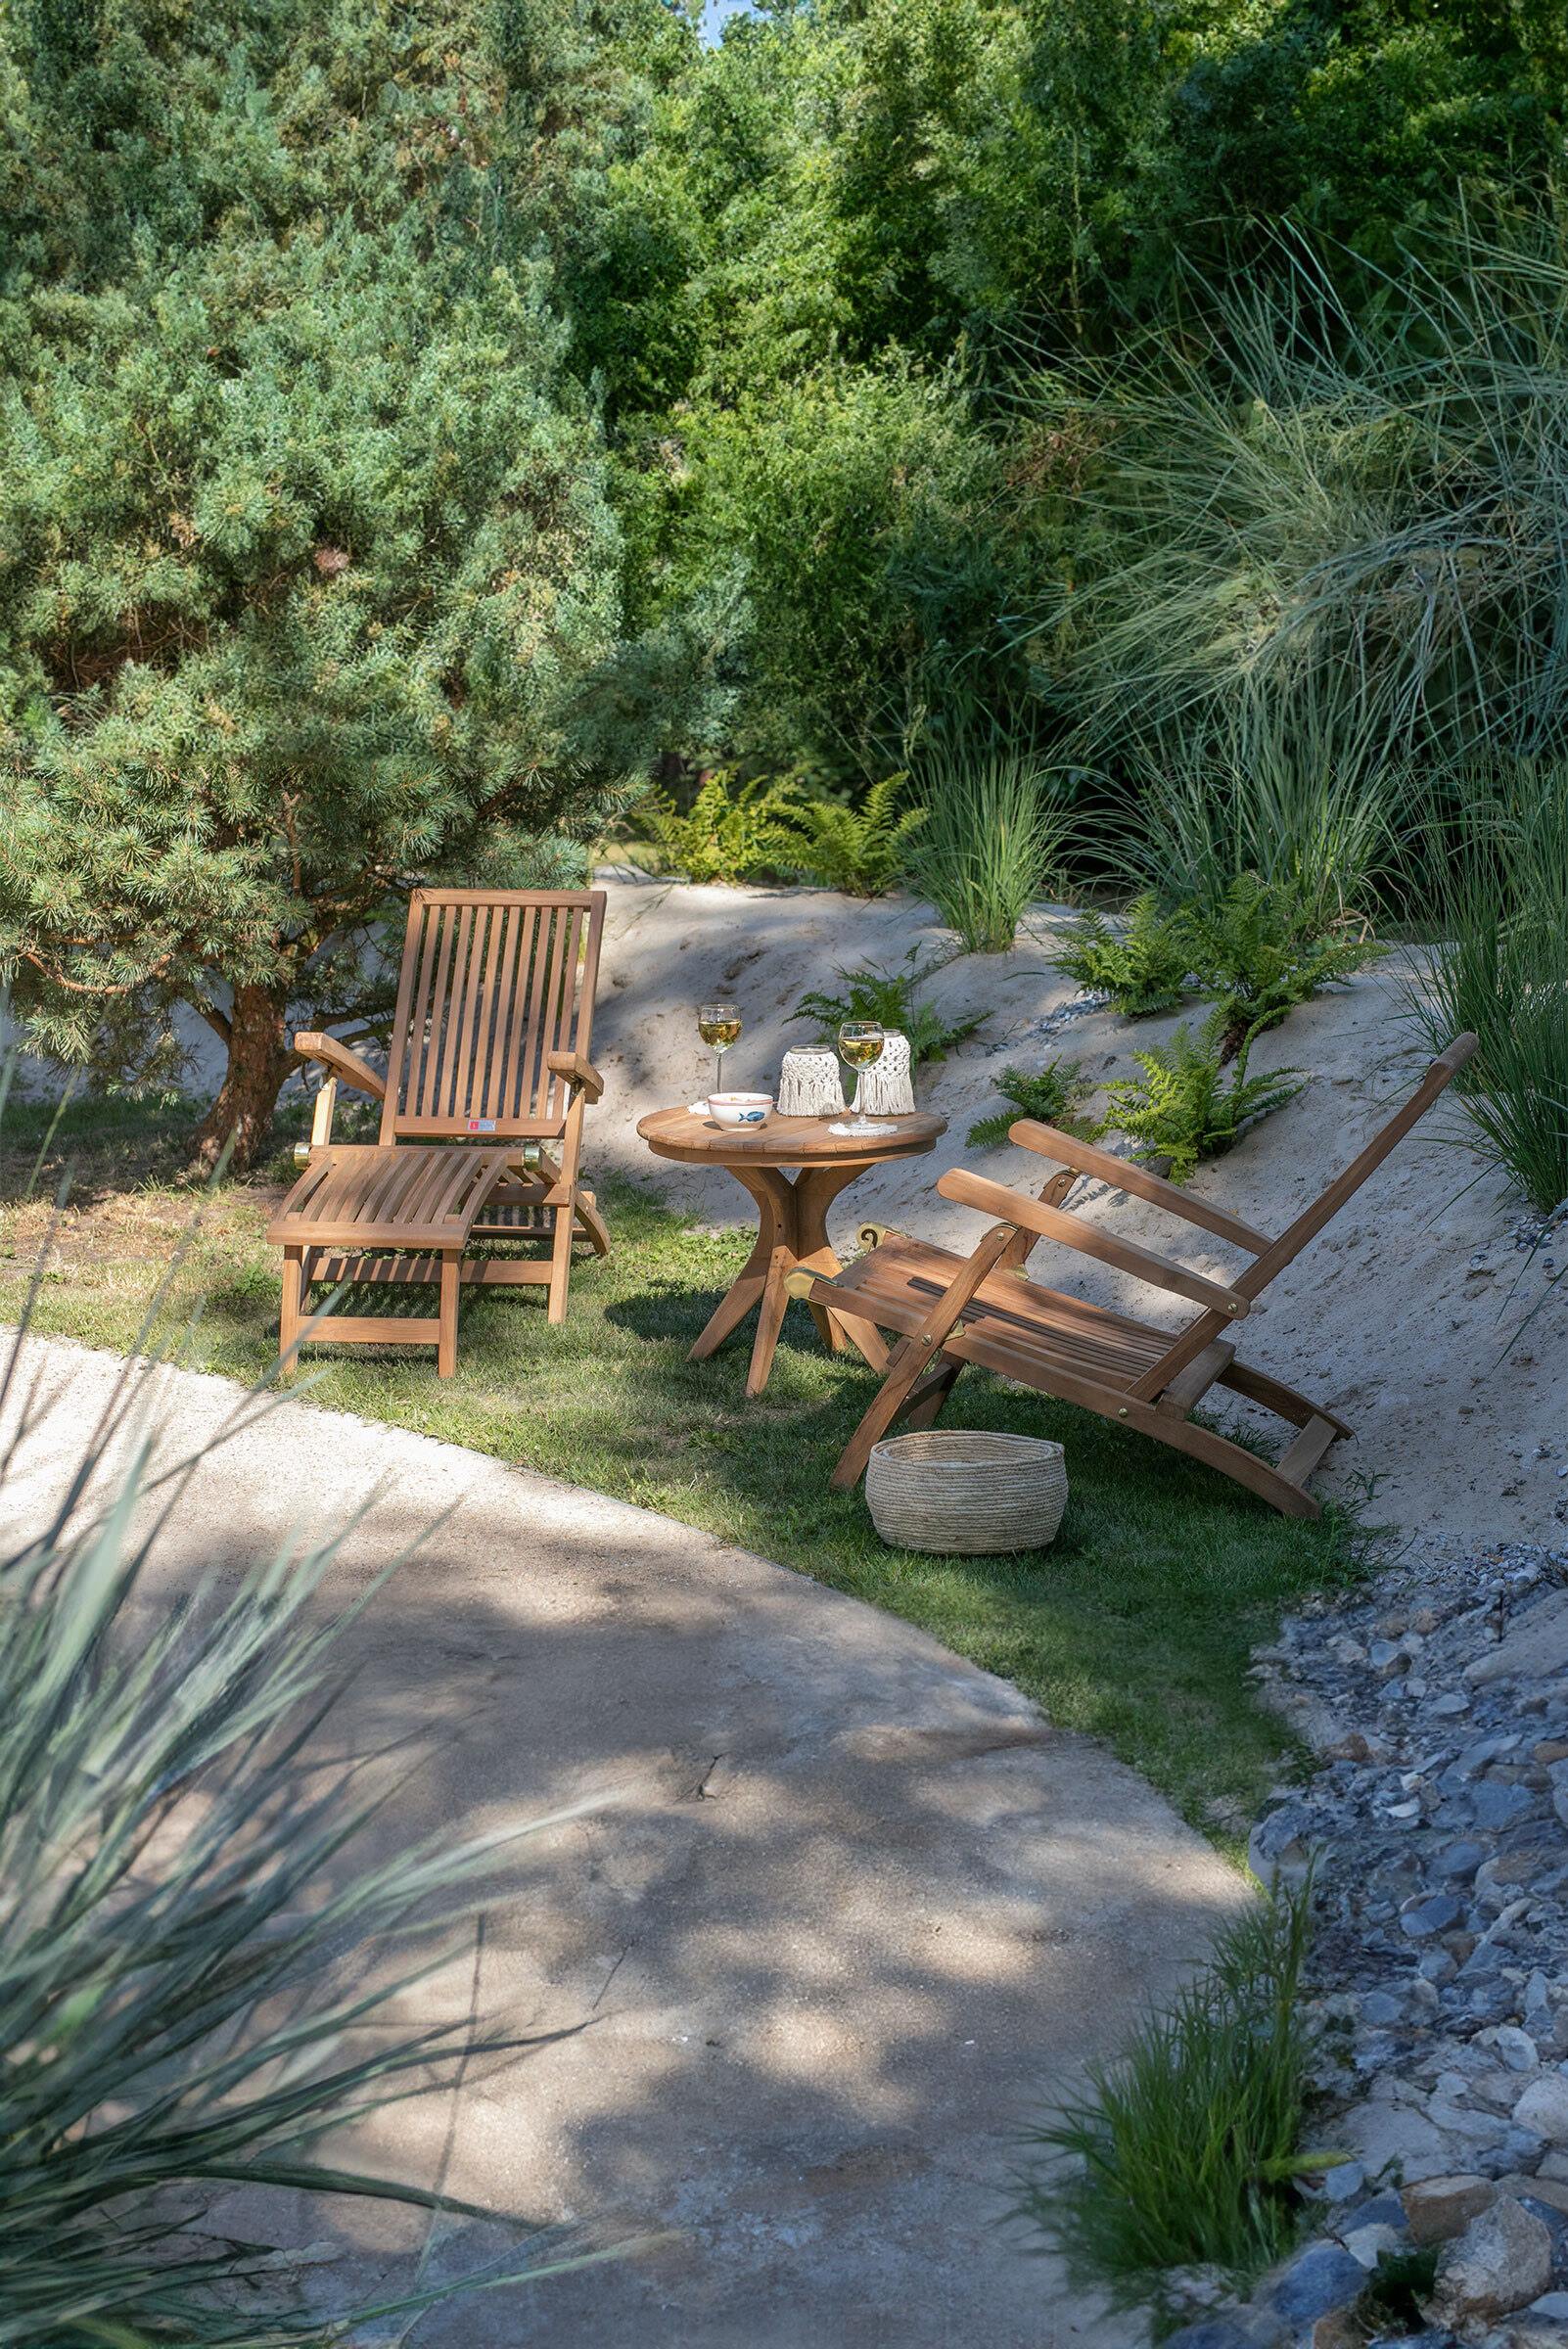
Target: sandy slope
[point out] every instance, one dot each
(1382, 1317)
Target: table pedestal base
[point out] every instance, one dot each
(792, 1230)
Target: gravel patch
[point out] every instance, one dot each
(1436, 1825)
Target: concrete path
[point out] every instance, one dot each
(858, 1911)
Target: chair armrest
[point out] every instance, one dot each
(342, 1060)
(1032, 1215)
(576, 1071)
(1138, 1183)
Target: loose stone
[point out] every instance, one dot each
(1543, 2108)
(1323, 2279)
(1437, 2208)
(1502, 2262)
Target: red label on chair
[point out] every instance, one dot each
(482, 1124)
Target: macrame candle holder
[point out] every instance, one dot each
(886, 1089)
(808, 1085)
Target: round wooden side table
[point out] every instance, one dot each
(792, 1226)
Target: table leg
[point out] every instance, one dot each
(769, 1321)
(733, 1308)
(774, 1195)
(792, 1230)
(815, 1189)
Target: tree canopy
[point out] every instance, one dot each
(309, 580)
(418, 425)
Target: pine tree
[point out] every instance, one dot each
(308, 581)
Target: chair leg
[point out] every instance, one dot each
(929, 1398)
(1299, 1409)
(560, 1263)
(290, 1313)
(909, 1361)
(593, 1224)
(451, 1289)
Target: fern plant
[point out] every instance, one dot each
(732, 831)
(889, 997)
(861, 850)
(1054, 1094)
(1259, 950)
(1145, 964)
(1188, 1104)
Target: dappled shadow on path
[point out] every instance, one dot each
(851, 1911)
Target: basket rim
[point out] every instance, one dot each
(930, 1444)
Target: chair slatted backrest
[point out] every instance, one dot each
(1322, 1210)
(1207, 1325)
(492, 982)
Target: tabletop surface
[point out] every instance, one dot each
(688, 1133)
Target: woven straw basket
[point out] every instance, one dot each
(964, 1493)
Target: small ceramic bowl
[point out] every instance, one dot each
(740, 1109)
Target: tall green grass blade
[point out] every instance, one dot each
(995, 836)
(196, 1963)
(1182, 2154)
(1500, 867)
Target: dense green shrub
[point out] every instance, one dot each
(1055, 1094)
(812, 283)
(1194, 1098)
(891, 997)
(1143, 963)
(1185, 2152)
(852, 513)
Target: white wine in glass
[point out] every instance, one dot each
(861, 1048)
(719, 1025)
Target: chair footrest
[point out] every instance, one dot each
(1190, 1384)
(1308, 1449)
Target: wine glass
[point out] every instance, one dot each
(719, 1025)
(861, 1048)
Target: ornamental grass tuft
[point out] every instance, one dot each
(994, 837)
(1500, 970)
(1184, 2152)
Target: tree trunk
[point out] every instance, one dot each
(240, 1118)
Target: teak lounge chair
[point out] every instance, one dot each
(951, 1309)
(491, 1037)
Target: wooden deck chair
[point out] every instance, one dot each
(490, 1038)
(950, 1310)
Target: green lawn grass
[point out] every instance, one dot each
(1136, 1625)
